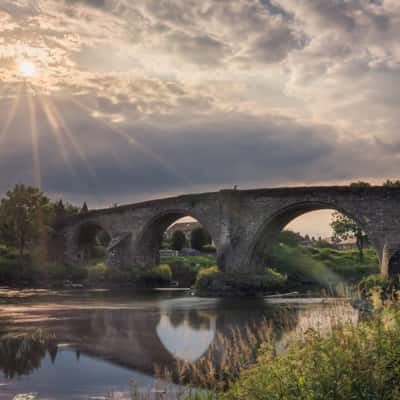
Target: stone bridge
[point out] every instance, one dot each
(242, 223)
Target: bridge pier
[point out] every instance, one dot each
(390, 261)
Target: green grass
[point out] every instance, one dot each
(322, 267)
(195, 262)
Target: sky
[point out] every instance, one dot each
(117, 101)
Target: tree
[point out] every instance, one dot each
(178, 240)
(360, 184)
(290, 238)
(199, 237)
(27, 214)
(390, 183)
(345, 228)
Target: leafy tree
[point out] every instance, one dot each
(390, 183)
(178, 240)
(345, 228)
(26, 213)
(199, 237)
(290, 238)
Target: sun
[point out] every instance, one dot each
(27, 69)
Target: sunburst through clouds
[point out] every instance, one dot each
(159, 100)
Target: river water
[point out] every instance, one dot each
(100, 344)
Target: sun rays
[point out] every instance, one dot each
(11, 114)
(113, 128)
(35, 142)
(68, 144)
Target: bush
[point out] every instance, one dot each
(206, 277)
(163, 272)
(184, 273)
(212, 281)
(209, 248)
(159, 275)
(351, 363)
(387, 286)
(97, 272)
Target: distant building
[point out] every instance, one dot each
(348, 244)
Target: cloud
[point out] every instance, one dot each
(172, 96)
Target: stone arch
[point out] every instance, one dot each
(84, 238)
(149, 239)
(394, 264)
(275, 222)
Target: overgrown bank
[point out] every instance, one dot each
(353, 362)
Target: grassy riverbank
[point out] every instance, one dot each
(353, 362)
(313, 267)
(295, 268)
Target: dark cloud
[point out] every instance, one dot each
(226, 149)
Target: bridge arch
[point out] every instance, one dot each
(149, 240)
(274, 223)
(87, 235)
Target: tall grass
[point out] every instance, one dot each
(352, 362)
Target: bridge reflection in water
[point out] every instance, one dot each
(135, 334)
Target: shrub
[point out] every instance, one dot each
(163, 271)
(351, 363)
(206, 277)
(97, 272)
(231, 283)
(387, 286)
(149, 277)
(184, 273)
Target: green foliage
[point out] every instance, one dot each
(344, 228)
(289, 238)
(194, 262)
(144, 276)
(209, 248)
(178, 240)
(199, 237)
(360, 184)
(98, 272)
(185, 268)
(385, 285)
(206, 277)
(212, 281)
(323, 244)
(392, 183)
(25, 215)
(354, 362)
(322, 267)
(301, 267)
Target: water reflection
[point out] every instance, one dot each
(97, 342)
(23, 354)
(187, 336)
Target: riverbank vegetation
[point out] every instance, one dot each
(353, 362)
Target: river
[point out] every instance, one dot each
(99, 344)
